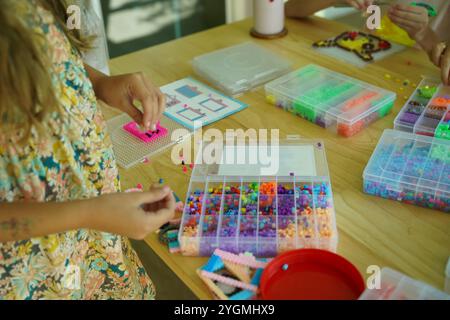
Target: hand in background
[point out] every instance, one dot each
(440, 56)
(360, 4)
(414, 20)
(124, 90)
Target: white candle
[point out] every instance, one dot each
(268, 16)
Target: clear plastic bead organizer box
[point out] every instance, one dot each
(330, 99)
(410, 168)
(237, 69)
(427, 111)
(243, 208)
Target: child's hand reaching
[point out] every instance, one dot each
(440, 56)
(134, 215)
(413, 19)
(122, 92)
(360, 4)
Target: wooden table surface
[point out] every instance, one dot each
(372, 230)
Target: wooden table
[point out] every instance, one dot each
(372, 231)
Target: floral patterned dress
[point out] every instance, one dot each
(75, 161)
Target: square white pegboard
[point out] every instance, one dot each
(130, 151)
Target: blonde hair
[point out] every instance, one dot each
(27, 95)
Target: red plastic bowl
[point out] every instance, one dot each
(311, 274)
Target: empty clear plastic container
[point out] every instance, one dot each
(411, 168)
(264, 215)
(240, 68)
(330, 99)
(397, 286)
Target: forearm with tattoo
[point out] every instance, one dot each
(16, 227)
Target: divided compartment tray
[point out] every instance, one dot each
(264, 215)
(329, 99)
(427, 111)
(410, 168)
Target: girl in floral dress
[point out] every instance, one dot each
(63, 223)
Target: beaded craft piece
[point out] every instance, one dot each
(232, 277)
(362, 44)
(146, 136)
(391, 32)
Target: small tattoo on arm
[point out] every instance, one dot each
(16, 227)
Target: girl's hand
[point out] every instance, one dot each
(360, 4)
(440, 56)
(414, 20)
(123, 91)
(134, 215)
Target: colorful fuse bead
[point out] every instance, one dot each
(194, 202)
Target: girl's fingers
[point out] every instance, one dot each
(140, 92)
(405, 8)
(156, 194)
(404, 23)
(162, 103)
(406, 16)
(159, 105)
(436, 54)
(131, 110)
(445, 68)
(160, 218)
(355, 3)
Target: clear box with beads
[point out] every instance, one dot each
(427, 111)
(237, 205)
(341, 104)
(410, 168)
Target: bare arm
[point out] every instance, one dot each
(305, 8)
(134, 215)
(94, 75)
(20, 221)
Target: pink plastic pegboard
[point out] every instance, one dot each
(147, 136)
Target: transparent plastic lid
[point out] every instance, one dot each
(339, 97)
(240, 68)
(297, 157)
(406, 161)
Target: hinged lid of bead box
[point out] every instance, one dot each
(330, 99)
(261, 198)
(427, 111)
(410, 168)
(240, 68)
